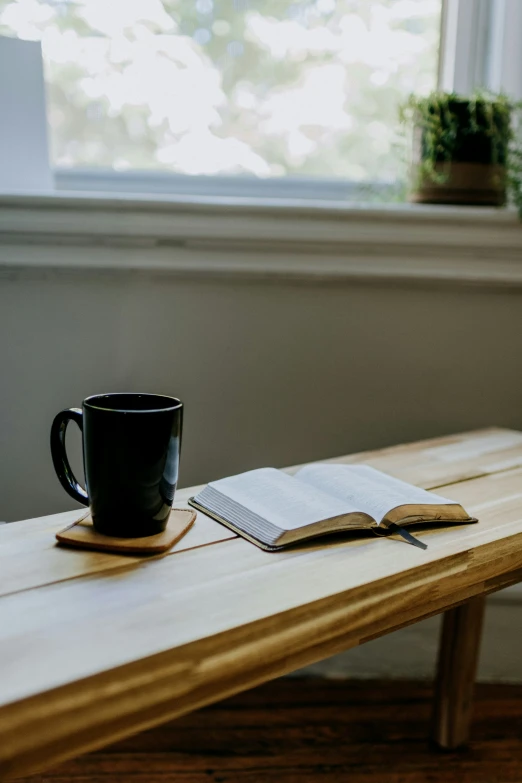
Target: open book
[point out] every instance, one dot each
(273, 509)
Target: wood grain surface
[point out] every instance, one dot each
(314, 731)
(94, 647)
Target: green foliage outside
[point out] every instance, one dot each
(269, 88)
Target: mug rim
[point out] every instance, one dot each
(89, 402)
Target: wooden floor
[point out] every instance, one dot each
(314, 731)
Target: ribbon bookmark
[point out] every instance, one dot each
(402, 532)
(407, 536)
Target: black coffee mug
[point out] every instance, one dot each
(131, 448)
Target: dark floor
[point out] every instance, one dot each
(314, 731)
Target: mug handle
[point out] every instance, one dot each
(59, 454)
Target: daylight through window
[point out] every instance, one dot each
(217, 87)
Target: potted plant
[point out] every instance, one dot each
(464, 149)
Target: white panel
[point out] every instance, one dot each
(448, 45)
(465, 45)
(464, 42)
(24, 158)
(506, 60)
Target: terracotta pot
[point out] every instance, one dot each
(481, 184)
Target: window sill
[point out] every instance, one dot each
(261, 238)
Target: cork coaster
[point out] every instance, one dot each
(81, 534)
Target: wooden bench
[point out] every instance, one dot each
(95, 647)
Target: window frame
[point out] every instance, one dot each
(481, 46)
(164, 183)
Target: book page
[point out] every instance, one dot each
(281, 499)
(367, 489)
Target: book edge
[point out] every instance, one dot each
(241, 533)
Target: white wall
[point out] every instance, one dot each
(271, 372)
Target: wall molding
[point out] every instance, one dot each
(260, 239)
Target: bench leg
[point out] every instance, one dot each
(456, 670)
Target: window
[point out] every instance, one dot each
(274, 89)
(284, 97)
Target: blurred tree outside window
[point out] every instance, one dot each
(266, 88)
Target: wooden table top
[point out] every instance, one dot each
(96, 646)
